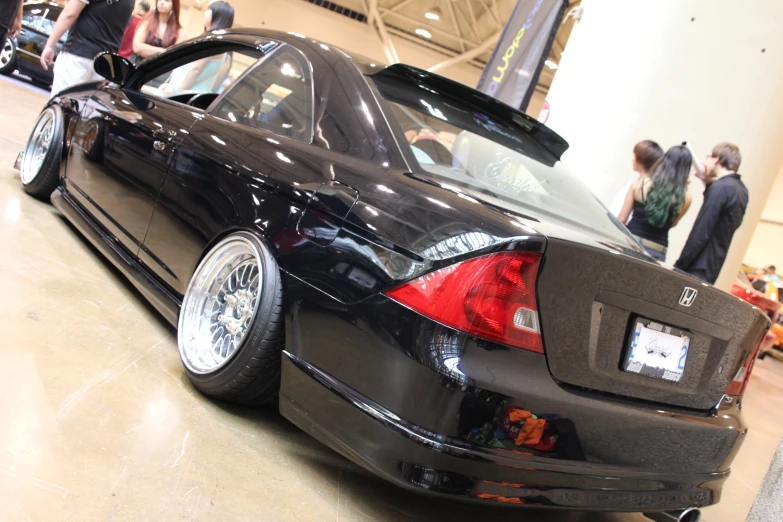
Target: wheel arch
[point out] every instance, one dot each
(220, 236)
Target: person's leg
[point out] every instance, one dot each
(62, 73)
(70, 70)
(699, 274)
(3, 36)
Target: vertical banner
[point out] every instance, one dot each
(512, 73)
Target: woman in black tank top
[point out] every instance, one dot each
(658, 202)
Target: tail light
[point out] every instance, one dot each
(492, 297)
(740, 382)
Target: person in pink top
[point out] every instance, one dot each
(139, 12)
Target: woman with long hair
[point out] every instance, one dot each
(159, 31)
(659, 201)
(208, 74)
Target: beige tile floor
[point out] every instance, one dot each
(98, 422)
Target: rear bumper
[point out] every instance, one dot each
(417, 459)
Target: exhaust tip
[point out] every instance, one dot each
(692, 514)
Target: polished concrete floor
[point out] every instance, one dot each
(98, 421)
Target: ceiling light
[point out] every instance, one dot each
(423, 32)
(552, 65)
(433, 14)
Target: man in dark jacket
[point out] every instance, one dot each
(10, 19)
(725, 201)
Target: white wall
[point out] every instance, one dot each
(672, 70)
(319, 23)
(766, 246)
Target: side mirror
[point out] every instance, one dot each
(113, 67)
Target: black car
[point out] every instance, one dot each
(24, 53)
(405, 265)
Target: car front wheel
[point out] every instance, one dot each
(8, 57)
(231, 328)
(40, 172)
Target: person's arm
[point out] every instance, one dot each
(140, 45)
(180, 35)
(16, 27)
(65, 21)
(684, 208)
(625, 211)
(222, 74)
(702, 228)
(194, 71)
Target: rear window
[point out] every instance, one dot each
(489, 156)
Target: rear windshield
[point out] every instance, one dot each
(489, 156)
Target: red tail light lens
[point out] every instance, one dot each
(492, 297)
(740, 382)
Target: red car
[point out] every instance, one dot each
(743, 289)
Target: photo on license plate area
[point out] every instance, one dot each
(656, 350)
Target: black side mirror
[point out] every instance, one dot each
(113, 67)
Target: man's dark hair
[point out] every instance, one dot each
(222, 15)
(647, 153)
(728, 155)
(771, 267)
(144, 6)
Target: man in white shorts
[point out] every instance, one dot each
(95, 26)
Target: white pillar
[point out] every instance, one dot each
(704, 71)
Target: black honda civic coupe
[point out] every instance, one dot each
(404, 264)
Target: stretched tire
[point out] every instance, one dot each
(8, 57)
(40, 171)
(231, 326)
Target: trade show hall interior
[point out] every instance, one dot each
(99, 416)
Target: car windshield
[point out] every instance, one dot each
(489, 155)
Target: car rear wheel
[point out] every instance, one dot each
(8, 57)
(231, 329)
(40, 170)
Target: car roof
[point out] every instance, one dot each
(545, 136)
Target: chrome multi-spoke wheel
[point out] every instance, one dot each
(38, 146)
(7, 55)
(220, 305)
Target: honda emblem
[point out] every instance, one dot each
(688, 296)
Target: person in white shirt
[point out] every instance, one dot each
(646, 154)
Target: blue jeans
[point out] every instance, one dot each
(659, 256)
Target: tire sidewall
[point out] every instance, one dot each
(10, 67)
(268, 295)
(53, 156)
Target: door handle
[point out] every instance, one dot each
(162, 138)
(164, 135)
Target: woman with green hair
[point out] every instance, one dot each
(659, 201)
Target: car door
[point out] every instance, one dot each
(261, 128)
(123, 144)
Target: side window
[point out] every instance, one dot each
(32, 16)
(210, 76)
(49, 19)
(276, 95)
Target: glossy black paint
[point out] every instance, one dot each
(347, 215)
(37, 24)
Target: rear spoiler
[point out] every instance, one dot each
(542, 134)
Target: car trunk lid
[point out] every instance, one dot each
(589, 301)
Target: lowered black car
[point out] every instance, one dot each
(24, 53)
(406, 264)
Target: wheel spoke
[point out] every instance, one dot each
(220, 302)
